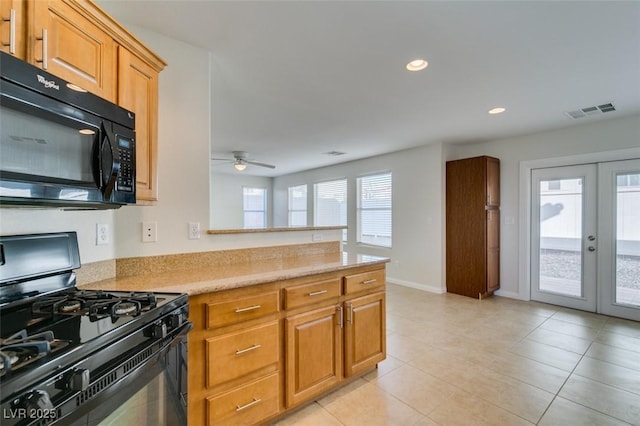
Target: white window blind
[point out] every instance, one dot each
(330, 204)
(374, 210)
(298, 205)
(254, 202)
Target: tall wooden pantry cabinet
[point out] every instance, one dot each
(473, 226)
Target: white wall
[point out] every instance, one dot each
(14, 221)
(183, 163)
(595, 137)
(226, 197)
(417, 210)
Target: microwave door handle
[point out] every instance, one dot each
(110, 162)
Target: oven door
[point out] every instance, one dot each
(155, 393)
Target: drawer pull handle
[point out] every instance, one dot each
(250, 404)
(247, 309)
(317, 293)
(371, 281)
(249, 349)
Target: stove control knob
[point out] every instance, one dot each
(175, 320)
(159, 330)
(79, 380)
(36, 401)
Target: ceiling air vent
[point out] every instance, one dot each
(334, 153)
(593, 110)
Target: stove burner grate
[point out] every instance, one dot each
(96, 304)
(20, 349)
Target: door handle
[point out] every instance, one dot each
(109, 162)
(45, 52)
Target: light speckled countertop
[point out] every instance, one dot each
(224, 277)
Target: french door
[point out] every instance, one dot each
(586, 237)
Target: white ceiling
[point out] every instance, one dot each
(293, 80)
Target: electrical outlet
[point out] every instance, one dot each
(102, 234)
(149, 232)
(194, 230)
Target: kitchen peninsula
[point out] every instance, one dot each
(274, 327)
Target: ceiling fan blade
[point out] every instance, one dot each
(224, 159)
(255, 163)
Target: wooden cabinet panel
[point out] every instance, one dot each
(493, 181)
(364, 281)
(242, 309)
(365, 333)
(236, 354)
(245, 405)
(72, 47)
(305, 294)
(313, 353)
(13, 27)
(138, 92)
(472, 226)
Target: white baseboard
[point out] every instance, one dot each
(509, 294)
(411, 284)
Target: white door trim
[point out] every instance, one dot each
(524, 210)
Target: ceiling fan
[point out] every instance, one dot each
(240, 161)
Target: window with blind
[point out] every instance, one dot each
(254, 205)
(298, 205)
(374, 210)
(330, 204)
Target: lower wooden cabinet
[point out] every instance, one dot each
(365, 333)
(313, 353)
(246, 405)
(256, 352)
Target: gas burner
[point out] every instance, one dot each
(126, 307)
(69, 306)
(9, 358)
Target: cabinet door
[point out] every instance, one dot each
(70, 46)
(493, 182)
(13, 27)
(365, 333)
(314, 353)
(493, 250)
(138, 92)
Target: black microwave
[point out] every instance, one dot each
(60, 145)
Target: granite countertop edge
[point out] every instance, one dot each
(212, 279)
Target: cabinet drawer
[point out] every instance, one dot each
(305, 294)
(364, 281)
(246, 405)
(233, 355)
(237, 310)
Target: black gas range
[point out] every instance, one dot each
(82, 357)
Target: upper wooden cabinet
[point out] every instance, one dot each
(80, 43)
(71, 46)
(138, 92)
(12, 27)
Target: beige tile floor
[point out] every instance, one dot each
(453, 360)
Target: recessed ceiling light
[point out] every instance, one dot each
(498, 110)
(417, 65)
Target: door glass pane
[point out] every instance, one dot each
(561, 236)
(628, 239)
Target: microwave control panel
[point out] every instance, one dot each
(126, 178)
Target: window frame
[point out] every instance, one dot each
(263, 210)
(360, 210)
